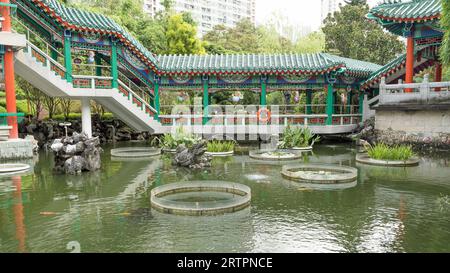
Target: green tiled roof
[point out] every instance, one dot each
(261, 63)
(414, 10)
(79, 20)
(94, 22)
(385, 70)
(355, 66)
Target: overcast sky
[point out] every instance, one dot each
(304, 12)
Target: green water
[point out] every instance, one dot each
(388, 210)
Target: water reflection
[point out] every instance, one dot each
(388, 210)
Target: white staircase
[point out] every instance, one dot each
(123, 102)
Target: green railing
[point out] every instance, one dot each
(11, 118)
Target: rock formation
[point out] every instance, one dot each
(45, 131)
(194, 158)
(77, 154)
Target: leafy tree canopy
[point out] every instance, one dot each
(348, 33)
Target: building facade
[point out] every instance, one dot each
(209, 13)
(152, 7)
(328, 7)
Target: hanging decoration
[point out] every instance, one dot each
(297, 97)
(91, 57)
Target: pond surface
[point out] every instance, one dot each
(387, 210)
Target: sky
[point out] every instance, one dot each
(299, 12)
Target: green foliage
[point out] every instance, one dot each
(311, 43)
(382, 151)
(445, 23)
(218, 146)
(21, 105)
(245, 37)
(77, 116)
(297, 137)
(348, 33)
(172, 141)
(182, 37)
(2, 109)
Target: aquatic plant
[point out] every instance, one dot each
(297, 137)
(172, 141)
(219, 146)
(382, 151)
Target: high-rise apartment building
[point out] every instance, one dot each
(328, 6)
(208, 13)
(152, 6)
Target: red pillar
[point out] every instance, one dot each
(18, 214)
(9, 75)
(409, 76)
(438, 74)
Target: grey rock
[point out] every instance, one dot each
(194, 158)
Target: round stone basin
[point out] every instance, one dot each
(309, 148)
(6, 169)
(275, 155)
(365, 159)
(220, 154)
(200, 198)
(169, 151)
(320, 174)
(135, 152)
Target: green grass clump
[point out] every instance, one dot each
(218, 146)
(172, 141)
(297, 137)
(382, 151)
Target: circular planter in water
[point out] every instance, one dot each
(221, 154)
(320, 174)
(309, 148)
(278, 155)
(199, 198)
(169, 151)
(135, 152)
(365, 159)
(8, 169)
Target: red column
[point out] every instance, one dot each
(18, 214)
(409, 76)
(438, 74)
(9, 75)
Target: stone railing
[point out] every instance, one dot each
(414, 93)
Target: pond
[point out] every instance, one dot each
(387, 210)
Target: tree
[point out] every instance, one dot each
(355, 2)
(243, 38)
(348, 33)
(66, 107)
(181, 37)
(311, 43)
(33, 95)
(445, 22)
(51, 104)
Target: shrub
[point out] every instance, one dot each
(75, 116)
(172, 141)
(297, 137)
(218, 146)
(382, 151)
